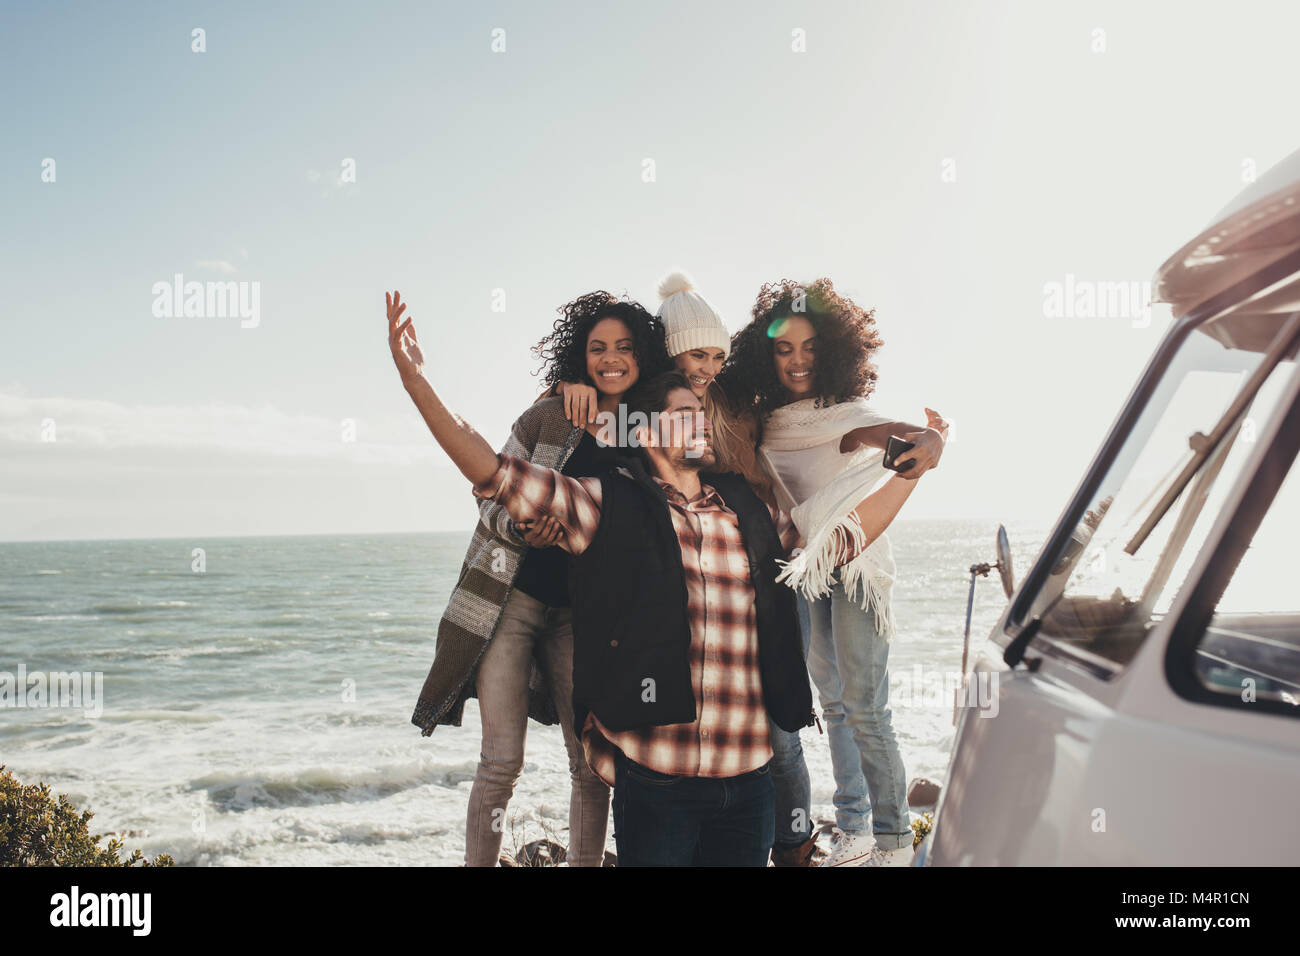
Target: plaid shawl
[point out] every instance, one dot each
(545, 437)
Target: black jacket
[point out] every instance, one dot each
(630, 617)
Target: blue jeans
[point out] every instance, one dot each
(790, 771)
(848, 659)
(501, 685)
(662, 820)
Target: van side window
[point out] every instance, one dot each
(1251, 649)
(1106, 590)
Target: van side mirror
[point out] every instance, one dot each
(1004, 562)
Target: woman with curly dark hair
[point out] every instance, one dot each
(847, 338)
(804, 365)
(567, 352)
(698, 342)
(506, 635)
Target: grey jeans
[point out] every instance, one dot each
(502, 690)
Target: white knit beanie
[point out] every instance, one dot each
(689, 321)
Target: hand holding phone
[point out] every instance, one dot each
(893, 449)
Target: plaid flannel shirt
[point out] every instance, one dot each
(730, 734)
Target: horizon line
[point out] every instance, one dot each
(467, 530)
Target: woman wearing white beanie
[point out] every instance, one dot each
(692, 328)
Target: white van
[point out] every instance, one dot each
(1148, 665)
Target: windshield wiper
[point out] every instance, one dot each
(1204, 445)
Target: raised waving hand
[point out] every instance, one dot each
(402, 339)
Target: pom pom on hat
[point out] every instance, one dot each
(675, 282)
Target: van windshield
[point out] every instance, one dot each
(1101, 600)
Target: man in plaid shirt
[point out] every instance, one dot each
(690, 776)
(730, 734)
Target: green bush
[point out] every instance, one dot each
(36, 831)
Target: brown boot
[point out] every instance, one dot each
(801, 855)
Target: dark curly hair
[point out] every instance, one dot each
(846, 339)
(564, 351)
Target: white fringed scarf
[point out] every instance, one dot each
(802, 425)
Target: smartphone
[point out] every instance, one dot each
(893, 449)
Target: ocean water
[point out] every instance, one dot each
(258, 712)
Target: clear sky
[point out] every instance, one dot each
(941, 162)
